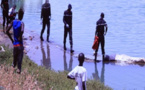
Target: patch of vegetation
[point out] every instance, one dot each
(47, 79)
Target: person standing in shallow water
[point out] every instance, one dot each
(46, 16)
(5, 8)
(101, 30)
(67, 20)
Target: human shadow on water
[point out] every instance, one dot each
(102, 72)
(46, 62)
(66, 68)
(96, 74)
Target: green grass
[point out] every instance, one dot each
(57, 80)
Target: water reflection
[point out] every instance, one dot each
(96, 74)
(32, 6)
(102, 72)
(66, 68)
(11, 3)
(18, 3)
(46, 62)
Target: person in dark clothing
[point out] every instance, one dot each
(46, 16)
(18, 30)
(67, 67)
(67, 19)
(5, 7)
(101, 30)
(46, 59)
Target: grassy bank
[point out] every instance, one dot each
(39, 76)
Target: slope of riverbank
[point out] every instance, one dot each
(34, 75)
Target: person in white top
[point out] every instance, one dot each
(79, 74)
(12, 13)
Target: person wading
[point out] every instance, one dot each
(101, 30)
(67, 20)
(46, 16)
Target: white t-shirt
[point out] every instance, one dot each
(11, 11)
(80, 75)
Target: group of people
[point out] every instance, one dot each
(67, 19)
(18, 30)
(101, 27)
(79, 73)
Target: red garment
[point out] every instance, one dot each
(95, 44)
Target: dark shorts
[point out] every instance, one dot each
(18, 56)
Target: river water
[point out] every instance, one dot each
(125, 19)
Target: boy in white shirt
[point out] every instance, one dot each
(79, 74)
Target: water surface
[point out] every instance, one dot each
(125, 36)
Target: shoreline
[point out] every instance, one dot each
(119, 59)
(34, 47)
(49, 55)
(30, 37)
(47, 78)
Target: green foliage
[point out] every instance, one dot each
(7, 56)
(55, 80)
(96, 85)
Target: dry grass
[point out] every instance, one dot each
(34, 77)
(10, 80)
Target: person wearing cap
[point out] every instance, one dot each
(67, 20)
(79, 74)
(46, 16)
(101, 30)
